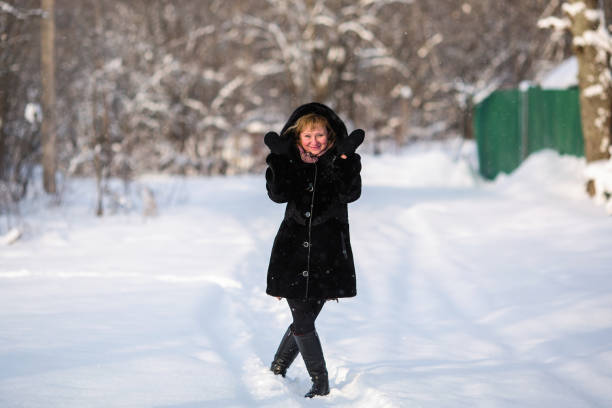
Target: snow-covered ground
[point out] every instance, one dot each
(470, 294)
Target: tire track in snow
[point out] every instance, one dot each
(460, 299)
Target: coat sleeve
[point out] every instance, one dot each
(279, 176)
(349, 178)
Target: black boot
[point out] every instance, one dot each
(312, 353)
(286, 353)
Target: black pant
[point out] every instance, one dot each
(304, 314)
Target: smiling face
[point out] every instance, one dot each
(314, 139)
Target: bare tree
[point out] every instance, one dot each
(49, 123)
(592, 46)
(19, 112)
(189, 87)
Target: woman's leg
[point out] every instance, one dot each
(287, 349)
(285, 354)
(304, 315)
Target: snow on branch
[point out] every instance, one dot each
(192, 38)
(602, 117)
(214, 76)
(358, 29)
(169, 65)
(323, 20)
(401, 91)
(215, 121)
(430, 44)
(599, 39)
(574, 8)
(375, 57)
(593, 90)
(226, 91)
(593, 15)
(365, 3)
(11, 237)
(555, 23)
(336, 54)
(22, 15)
(267, 68)
(288, 52)
(195, 105)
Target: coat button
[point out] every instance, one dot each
(306, 244)
(310, 188)
(305, 273)
(307, 214)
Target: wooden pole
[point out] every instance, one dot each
(47, 54)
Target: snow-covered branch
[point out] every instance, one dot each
(430, 44)
(555, 23)
(226, 91)
(381, 3)
(572, 9)
(357, 28)
(20, 14)
(599, 39)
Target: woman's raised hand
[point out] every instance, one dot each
(349, 144)
(277, 144)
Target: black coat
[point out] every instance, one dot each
(311, 255)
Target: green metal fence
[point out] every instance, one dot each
(511, 124)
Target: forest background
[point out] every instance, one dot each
(189, 87)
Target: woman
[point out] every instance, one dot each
(312, 167)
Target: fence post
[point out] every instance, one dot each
(524, 119)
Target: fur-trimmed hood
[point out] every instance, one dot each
(315, 107)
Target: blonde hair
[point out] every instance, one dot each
(307, 121)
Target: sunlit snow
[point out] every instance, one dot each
(470, 293)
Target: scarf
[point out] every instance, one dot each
(308, 157)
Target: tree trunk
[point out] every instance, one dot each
(593, 78)
(47, 60)
(2, 135)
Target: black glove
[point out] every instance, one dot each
(277, 144)
(349, 144)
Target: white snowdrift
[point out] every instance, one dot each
(563, 76)
(469, 294)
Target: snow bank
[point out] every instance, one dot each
(563, 76)
(546, 173)
(450, 163)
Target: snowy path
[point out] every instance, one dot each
(496, 295)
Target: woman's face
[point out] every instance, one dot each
(314, 139)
